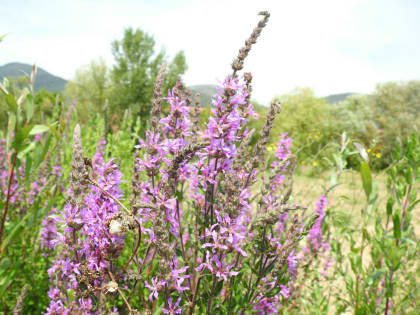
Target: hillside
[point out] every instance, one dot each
(44, 79)
(206, 92)
(337, 98)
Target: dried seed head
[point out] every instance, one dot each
(135, 182)
(184, 155)
(259, 152)
(238, 63)
(248, 77)
(79, 172)
(19, 302)
(195, 115)
(156, 101)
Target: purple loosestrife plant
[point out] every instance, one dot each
(85, 249)
(215, 231)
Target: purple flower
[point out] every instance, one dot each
(285, 291)
(176, 277)
(82, 233)
(283, 147)
(218, 240)
(155, 287)
(172, 309)
(49, 231)
(222, 270)
(217, 267)
(292, 264)
(267, 305)
(315, 238)
(57, 308)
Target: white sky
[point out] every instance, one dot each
(332, 46)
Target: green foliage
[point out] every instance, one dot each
(396, 111)
(380, 268)
(135, 71)
(27, 161)
(378, 121)
(90, 87)
(308, 120)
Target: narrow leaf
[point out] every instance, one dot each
(397, 226)
(366, 178)
(11, 101)
(39, 129)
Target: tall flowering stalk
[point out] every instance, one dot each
(85, 249)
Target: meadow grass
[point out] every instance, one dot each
(345, 204)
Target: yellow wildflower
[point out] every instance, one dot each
(315, 163)
(378, 155)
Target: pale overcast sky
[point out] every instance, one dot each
(332, 46)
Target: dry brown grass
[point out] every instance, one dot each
(348, 198)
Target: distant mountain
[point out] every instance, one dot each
(206, 92)
(43, 78)
(337, 98)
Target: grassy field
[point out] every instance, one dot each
(347, 197)
(345, 204)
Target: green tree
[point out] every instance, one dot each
(397, 108)
(90, 86)
(354, 116)
(308, 120)
(136, 68)
(396, 112)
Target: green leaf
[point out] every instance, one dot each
(4, 265)
(10, 130)
(28, 165)
(410, 241)
(20, 137)
(411, 207)
(39, 129)
(366, 178)
(12, 102)
(6, 281)
(397, 226)
(389, 204)
(29, 107)
(28, 148)
(365, 234)
(41, 151)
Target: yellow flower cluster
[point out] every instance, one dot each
(314, 135)
(374, 154)
(271, 148)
